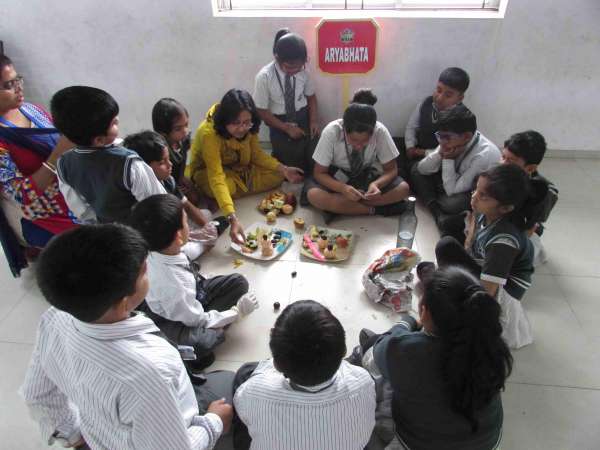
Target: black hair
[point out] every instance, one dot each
(5, 61)
(88, 269)
(455, 78)
(529, 145)
(289, 47)
(359, 118)
(459, 119)
(164, 114)
(280, 33)
(232, 104)
(475, 359)
(307, 343)
(148, 144)
(82, 113)
(364, 96)
(159, 218)
(511, 185)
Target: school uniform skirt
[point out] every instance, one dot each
(516, 329)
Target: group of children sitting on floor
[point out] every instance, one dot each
(105, 375)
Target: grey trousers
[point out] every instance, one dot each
(294, 152)
(222, 292)
(430, 189)
(219, 384)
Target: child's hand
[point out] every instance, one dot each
(236, 232)
(80, 444)
(224, 411)
(373, 191)
(415, 152)
(207, 234)
(247, 304)
(189, 190)
(314, 129)
(470, 229)
(351, 193)
(532, 230)
(294, 131)
(292, 174)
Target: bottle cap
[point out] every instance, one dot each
(406, 235)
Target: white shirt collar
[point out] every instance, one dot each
(316, 387)
(282, 74)
(475, 136)
(175, 260)
(135, 325)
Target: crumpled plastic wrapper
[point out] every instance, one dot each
(389, 281)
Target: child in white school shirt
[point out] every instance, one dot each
(286, 101)
(100, 375)
(188, 308)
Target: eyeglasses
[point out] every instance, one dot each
(445, 135)
(247, 124)
(11, 85)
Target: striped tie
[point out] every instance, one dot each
(290, 106)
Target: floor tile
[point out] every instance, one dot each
(247, 339)
(550, 418)
(561, 354)
(571, 241)
(20, 325)
(225, 365)
(582, 294)
(575, 184)
(590, 166)
(13, 289)
(17, 429)
(341, 290)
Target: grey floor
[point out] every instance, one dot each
(552, 401)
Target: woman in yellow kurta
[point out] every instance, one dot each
(227, 161)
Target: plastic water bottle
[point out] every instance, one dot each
(407, 225)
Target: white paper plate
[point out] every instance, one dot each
(281, 247)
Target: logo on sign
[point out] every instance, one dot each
(347, 36)
(346, 46)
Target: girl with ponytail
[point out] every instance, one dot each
(497, 248)
(447, 378)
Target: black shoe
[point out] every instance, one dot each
(394, 209)
(200, 363)
(425, 269)
(223, 224)
(355, 357)
(365, 336)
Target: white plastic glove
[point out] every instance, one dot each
(207, 234)
(246, 304)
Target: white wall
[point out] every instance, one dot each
(537, 68)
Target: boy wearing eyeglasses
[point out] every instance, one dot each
(444, 178)
(419, 133)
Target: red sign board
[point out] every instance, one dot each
(347, 46)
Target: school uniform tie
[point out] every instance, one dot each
(289, 97)
(194, 267)
(356, 158)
